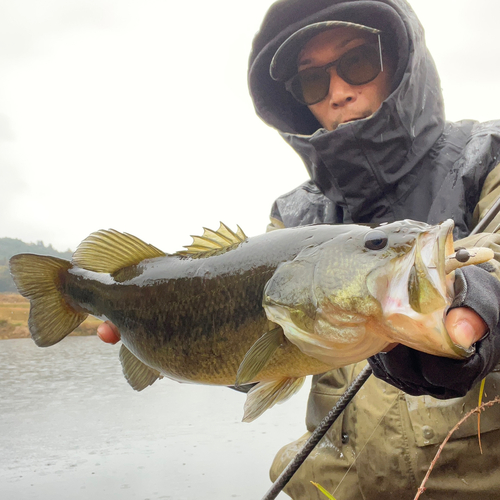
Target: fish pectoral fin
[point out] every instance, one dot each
(258, 355)
(266, 394)
(138, 375)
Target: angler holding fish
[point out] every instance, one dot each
(351, 86)
(374, 139)
(265, 311)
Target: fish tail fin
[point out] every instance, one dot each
(40, 279)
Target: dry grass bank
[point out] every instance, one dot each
(14, 311)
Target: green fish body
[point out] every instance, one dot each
(266, 310)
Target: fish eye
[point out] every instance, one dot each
(375, 240)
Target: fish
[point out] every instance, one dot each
(257, 314)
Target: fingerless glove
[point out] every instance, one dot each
(418, 373)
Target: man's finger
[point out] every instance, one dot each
(465, 327)
(108, 333)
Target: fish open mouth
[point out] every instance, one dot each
(418, 293)
(429, 288)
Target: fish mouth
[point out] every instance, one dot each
(429, 287)
(419, 294)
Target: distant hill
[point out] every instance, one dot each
(10, 247)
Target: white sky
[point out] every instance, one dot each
(135, 115)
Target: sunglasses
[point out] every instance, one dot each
(356, 67)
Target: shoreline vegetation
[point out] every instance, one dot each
(14, 311)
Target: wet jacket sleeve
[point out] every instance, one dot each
(418, 373)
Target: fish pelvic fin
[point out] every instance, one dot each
(39, 278)
(138, 374)
(214, 242)
(108, 251)
(266, 394)
(259, 355)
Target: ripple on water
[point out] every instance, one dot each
(71, 427)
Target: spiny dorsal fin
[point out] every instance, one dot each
(107, 251)
(138, 375)
(214, 240)
(258, 355)
(266, 394)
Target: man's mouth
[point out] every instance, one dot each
(356, 119)
(336, 124)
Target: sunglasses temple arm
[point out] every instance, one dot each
(380, 52)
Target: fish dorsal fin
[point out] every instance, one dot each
(107, 251)
(138, 375)
(266, 394)
(211, 241)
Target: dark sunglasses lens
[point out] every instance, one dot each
(314, 84)
(357, 67)
(360, 65)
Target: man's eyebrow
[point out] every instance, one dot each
(341, 45)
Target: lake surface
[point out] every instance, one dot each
(72, 428)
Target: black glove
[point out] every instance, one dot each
(418, 373)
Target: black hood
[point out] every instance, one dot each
(368, 165)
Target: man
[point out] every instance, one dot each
(350, 85)
(377, 148)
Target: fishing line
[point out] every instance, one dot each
(367, 441)
(318, 433)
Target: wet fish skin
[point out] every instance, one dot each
(190, 318)
(195, 317)
(341, 307)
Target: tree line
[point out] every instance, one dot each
(13, 246)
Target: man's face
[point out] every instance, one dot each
(344, 102)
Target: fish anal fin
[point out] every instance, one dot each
(266, 394)
(138, 375)
(259, 355)
(108, 251)
(223, 238)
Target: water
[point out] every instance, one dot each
(71, 427)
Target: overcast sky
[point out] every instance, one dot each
(135, 115)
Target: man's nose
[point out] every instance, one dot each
(340, 92)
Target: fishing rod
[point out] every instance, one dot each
(318, 433)
(346, 398)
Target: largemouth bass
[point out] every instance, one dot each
(289, 303)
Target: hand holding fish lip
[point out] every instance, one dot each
(476, 309)
(465, 326)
